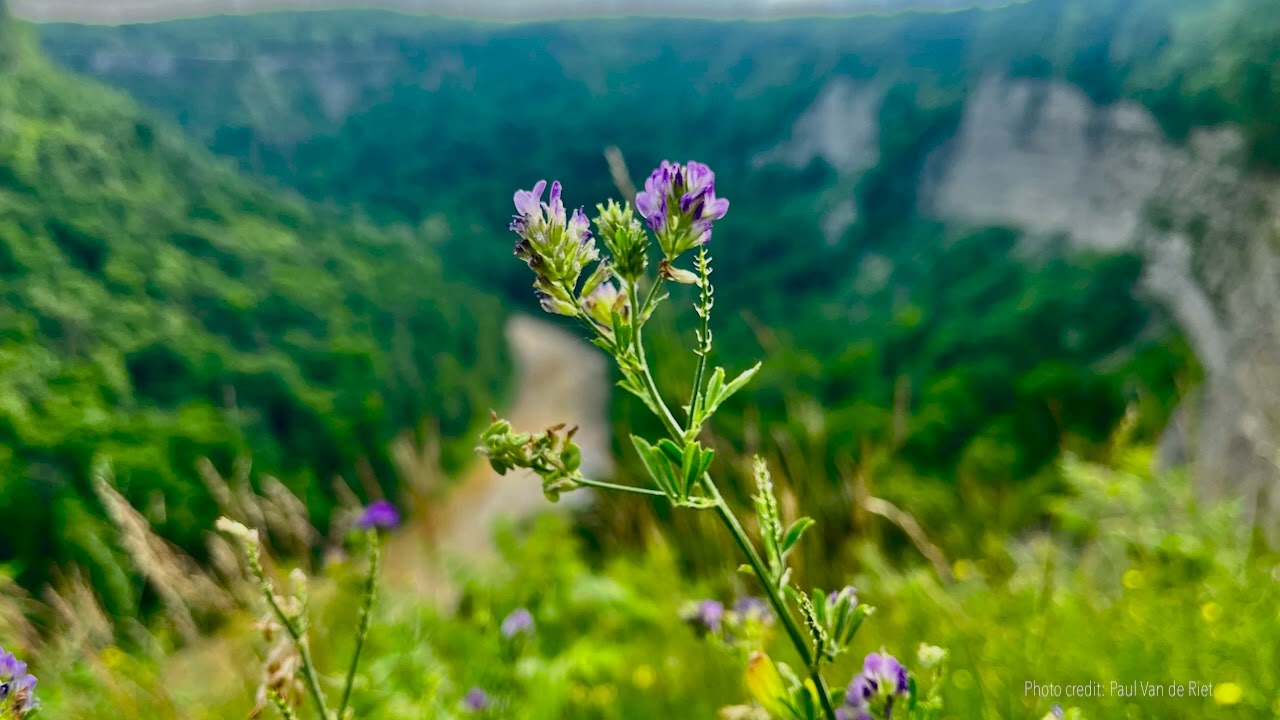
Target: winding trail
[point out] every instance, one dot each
(560, 378)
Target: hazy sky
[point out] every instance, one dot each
(116, 11)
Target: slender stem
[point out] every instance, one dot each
(300, 642)
(366, 611)
(757, 563)
(619, 488)
(771, 591)
(649, 299)
(722, 508)
(669, 420)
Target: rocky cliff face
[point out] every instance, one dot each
(1039, 156)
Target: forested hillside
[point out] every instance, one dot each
(993, 346)
(157, 307)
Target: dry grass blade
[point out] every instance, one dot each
(618, 171)
(175, 577)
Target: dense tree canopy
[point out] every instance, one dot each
(156, 308)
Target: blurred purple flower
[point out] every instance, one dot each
(379, 514)
(476, 700)
(518, 622)
(886, 674)
(705, 615)
(882, 677)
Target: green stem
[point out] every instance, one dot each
(771, 591)
(366, 611)
(753, 558)
(300, 642)
(651, 387)
(619, 488)
(649, 299)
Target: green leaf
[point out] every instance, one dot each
(689, 464)
(708, 398)
(793, 533)
(621, 331)
(740, 382)
(848, 623)
(672, 451)
(657, 465)
(717, 392)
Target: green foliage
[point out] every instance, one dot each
(1132, 582)
(158, 309)
(999, 354)
(1136, 583)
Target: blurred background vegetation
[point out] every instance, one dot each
(281, 239)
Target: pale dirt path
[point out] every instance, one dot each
(560, 378)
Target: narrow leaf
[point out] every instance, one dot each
(793, 533)
(672, 451)
(659, 469)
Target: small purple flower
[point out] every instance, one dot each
(886, 673)
(17, 686)
(883, 680)
(1057, 711)
(680, 204)
(520, 621)
(379, 514)
(476, 700)
(706, 615)
(528, 201)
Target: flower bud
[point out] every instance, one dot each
(603, 302)
(930, 656)
(675, 274)
(625, 238)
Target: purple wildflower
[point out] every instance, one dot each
(17, 686)
(556, 245)
(882, 681)
(1057, 711)
(520, 621)
(706, 615)
(476, 700)
(680, 204)
(379, 514)
(886, 673)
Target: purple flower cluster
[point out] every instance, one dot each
(380, 514)
(557, 247)
(680, 204)
(519, 622)
(883, 678)
(17, 687)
